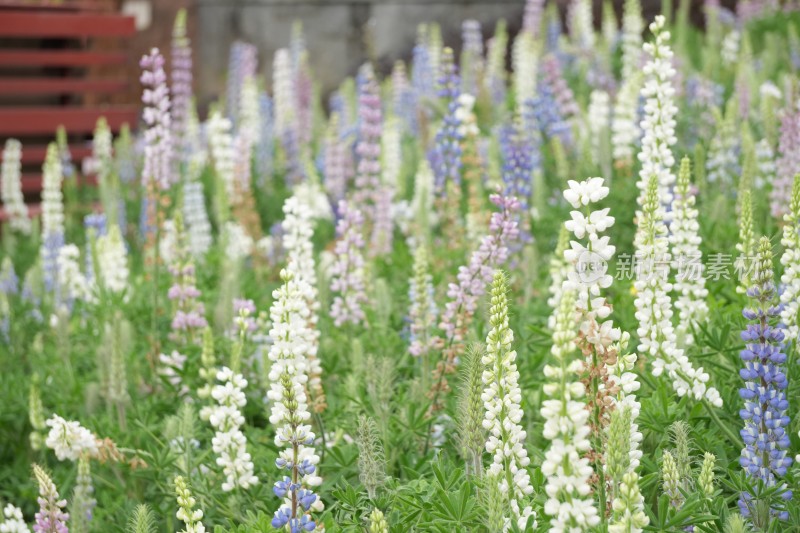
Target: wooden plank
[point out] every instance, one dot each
(31, 182)
(37, 153)
(37, 86)
(45, 120)
(38, 24)
(54, 5)
(60, 58)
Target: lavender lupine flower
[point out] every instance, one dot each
(181, 77)
(266, 139)
(11, 188)
(473, 278)
(553, 78)
(52, 216)
(188, 312)
(422, 72)
(532, 17)
(243, 63)
(403, 97)
(158, 126)
(446, 155)
(658, 124)
(338, 161)
(501, 399)
(368, 147)
(765, 412)
(542, 114)
(347, 272)
(304, 98)
(790, 259)
(289, 408)
(518, 164)
(198, 227)
(51, 517)
(788, 163)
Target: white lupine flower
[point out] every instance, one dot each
(581, 25)
(69, 440)
(559, 270)
(501, 399)
(195, 216)
(632, 29)
(653, 304)
(11, 188)
(102, 150)
(587, 277)
(298, 231)
(52, 199)
(249, 123)
(599, 117)
(186, 513)
(465, 115)
(790, 297)
(284, 91)
(312, 194)
(238, 244)
(168, 242)
(565, 465)
(722, 164)
(293, 341)
(112, 258)
(658, 124)
(71, 281)
(13, 521)
(392, 152)
(525, 63)
(765, 163)
(625, 130)
(730, 47)
(685, 241)
(223, 153)
(229, 443)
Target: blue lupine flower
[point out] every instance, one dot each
(306, 498)
(445, 158)
(306, 468)
(281, 488)
(281, 517)
(764, 456)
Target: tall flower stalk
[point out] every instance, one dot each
(11, 188)
(765, 456)
(289, 406)
(348, 276)
(51, 517)
(790, 296)
(657, 337)
(565, 465)
(501, 399)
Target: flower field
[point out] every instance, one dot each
(548, 281)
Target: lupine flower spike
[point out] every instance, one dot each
(765, 414)
(501, 399)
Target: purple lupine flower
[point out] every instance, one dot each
(337, 161)
(764, 456)
(532, 16)
(422, 75)
(445, 158)
(266, 139)
(158, 131)
(181, 74)
(304, 97)
(554, 79)
(475, 276)
(347, 272)
(95, 225)
(519, 160)
(368, 147)
(242, 63)
(554, 31)
(788, 163)
(188, 318)
(542, 114)
(51, 517)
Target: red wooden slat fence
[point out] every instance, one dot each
(56, 64)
